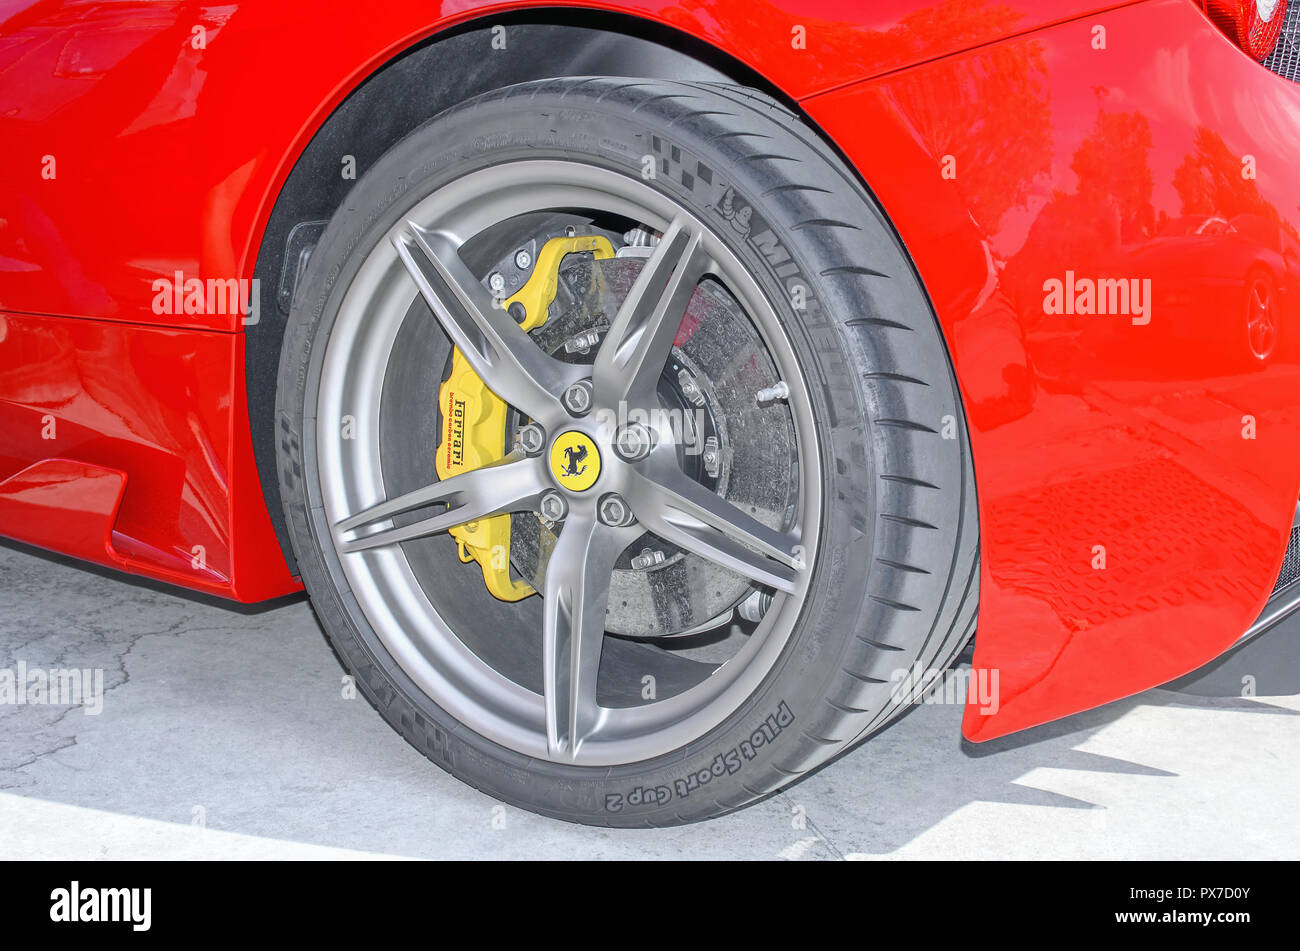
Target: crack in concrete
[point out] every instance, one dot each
(119, 655)
(823, 837)
(37, 757)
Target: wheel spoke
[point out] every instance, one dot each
(503, 356)
(1260, 295)
(512, 485)
(641, 338)
(577, 588)
(683, 512)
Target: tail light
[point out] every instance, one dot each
(1255, 25)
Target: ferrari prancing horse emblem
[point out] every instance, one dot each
(575, 461)
(573, 455)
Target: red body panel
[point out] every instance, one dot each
(154, 421)
(65, 505)
(1090, 430)
(197, 143)
(1086, 432)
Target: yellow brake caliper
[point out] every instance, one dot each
(474, 419)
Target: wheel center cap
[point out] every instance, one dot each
(575, 461)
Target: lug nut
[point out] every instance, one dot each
(577, 398)
(633, 442)
(614, 511)
(553, 507)
(523, 260)
(531, 439)
(496, 282)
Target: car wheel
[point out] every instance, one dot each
(1262, 324)
(621, 452)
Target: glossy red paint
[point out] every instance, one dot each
(196, 149)
(1098, 436)
(64, 505)
(1086, 431)
(128, 446)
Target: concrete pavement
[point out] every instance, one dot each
(225, 734)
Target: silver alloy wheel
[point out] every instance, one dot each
(1261, 326)
(420, 256)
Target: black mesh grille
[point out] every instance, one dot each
(1291, 563)
(1285, 58)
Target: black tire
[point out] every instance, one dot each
(896, 582)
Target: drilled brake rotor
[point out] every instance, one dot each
(743, 451)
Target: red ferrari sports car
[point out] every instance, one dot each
(645, 393)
